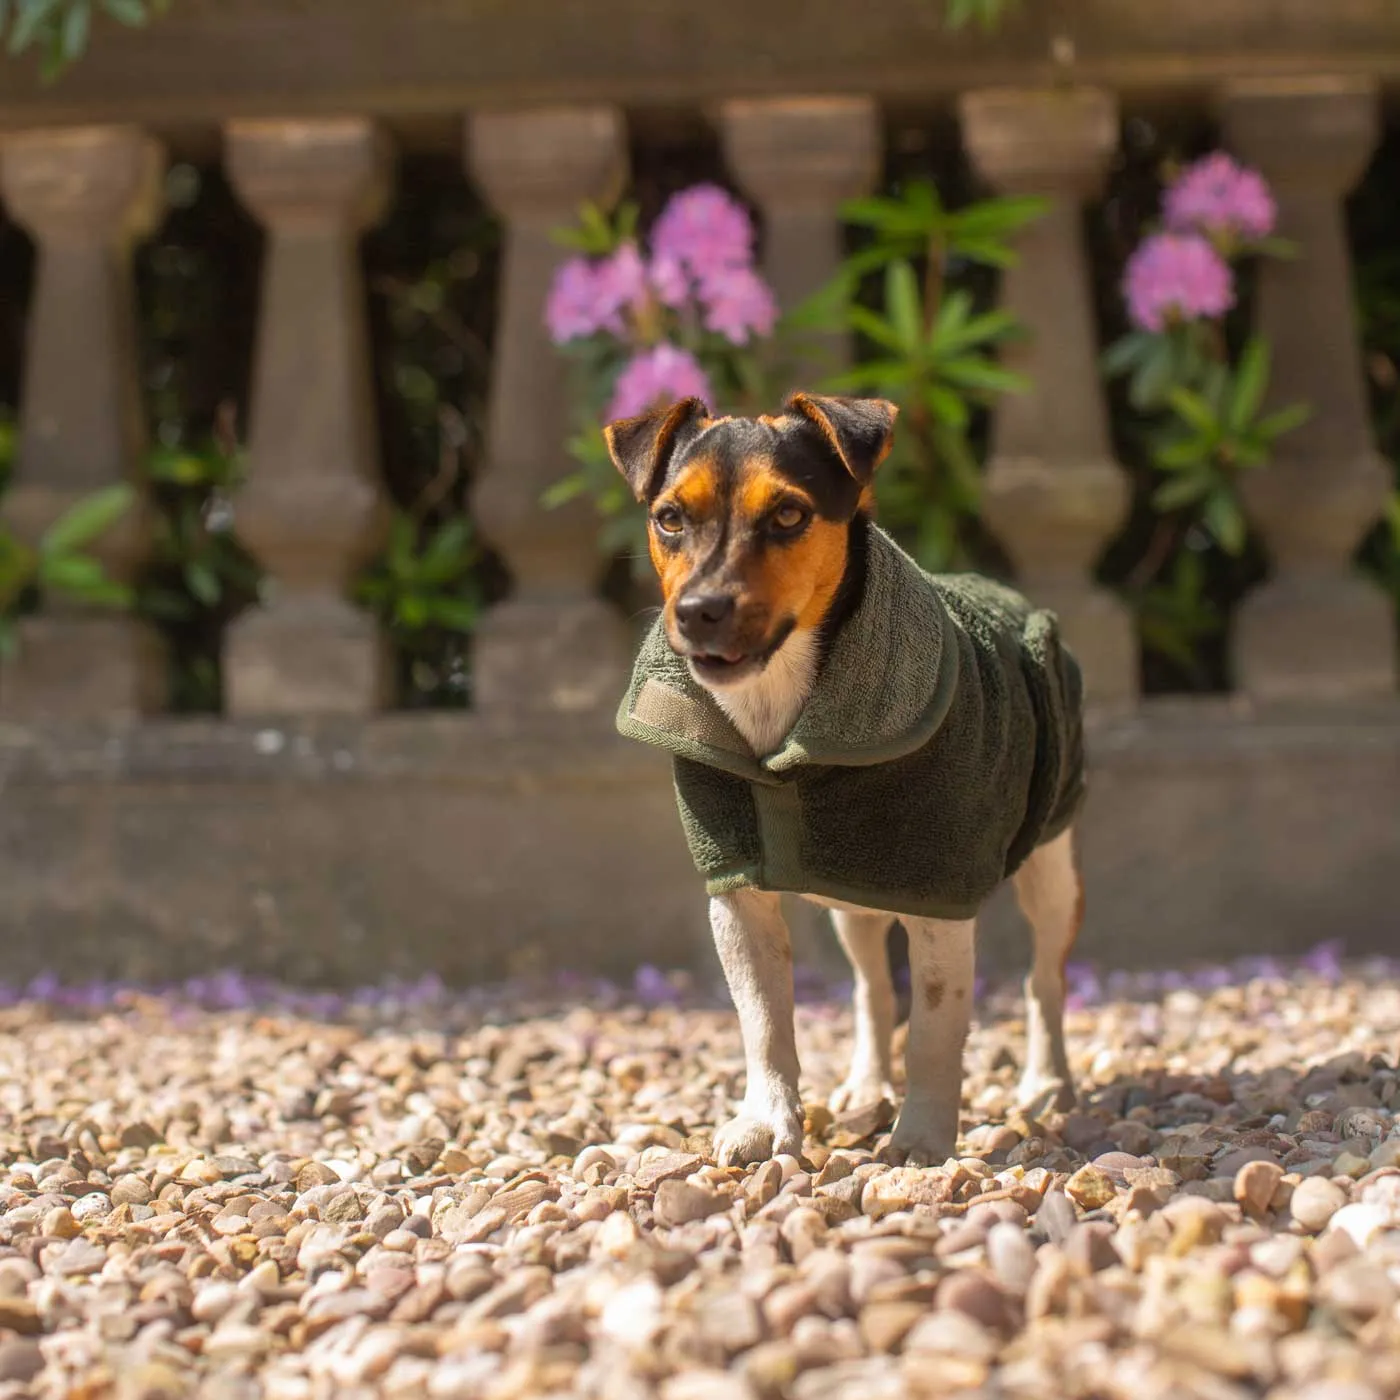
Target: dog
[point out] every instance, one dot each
(844, 727)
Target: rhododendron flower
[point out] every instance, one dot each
(574, 307)
(1174, 276)
(622, 284)
(738, 304)
(657, 376)
(668, 280)
(705, 228)
(1217, 195)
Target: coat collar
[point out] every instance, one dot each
(884, 690)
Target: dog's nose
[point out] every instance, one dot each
(698, 614)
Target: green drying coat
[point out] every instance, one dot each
(941, 744)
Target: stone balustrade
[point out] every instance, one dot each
(549, 661)
(314, 509)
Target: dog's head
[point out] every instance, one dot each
(750, 519)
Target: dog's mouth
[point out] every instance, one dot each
(731, 665)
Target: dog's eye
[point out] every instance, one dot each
(669, 520)
(789, 519)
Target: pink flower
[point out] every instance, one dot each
(574, 307)
(1216, 195)
(738, 304)
(1176, 276)
(704, 228)
(657, 376)
(621, 279)
(669, 280)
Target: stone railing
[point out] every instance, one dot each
(304, 834)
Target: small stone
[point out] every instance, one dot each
(1090, 1188)
(975, 1293)
(952, 1333)
(669, 1167)
(20, 1315)
(1315, 1201)
(60, 1224)
(1056, 1216)
(131, 1191)
(904, 1188)
(215, 1301)
(680, 1202)
(1361, 1220)
(20, 1360)
(1255, 1184)
(884, 1325)
(315, 1174)
(1011, 1257)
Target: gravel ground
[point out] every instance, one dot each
(231, 1190)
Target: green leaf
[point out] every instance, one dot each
(402, 548)
(903, 307)
(875, 328)
(30, 22)
(986, 329)
(1126, 353)
(997, 218)
(972, 372)
(87, 519)
(1223, 519)
(448, 552)
(411, 612)
(76, 25)
(947, 406)
(203, 582)
(1284, 421)
(1251, 381)
(874, 374)
(1148, 387)
(455, 614)
(132, 13)
(1182, 454)
(1194, 410)
(1181, 491)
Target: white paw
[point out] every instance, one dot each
(1044, 1094)
(749, 1138)
(861, 1093)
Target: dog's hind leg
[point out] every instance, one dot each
(1051, 895)
(865, 935)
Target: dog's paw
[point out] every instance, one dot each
(861, 1093)
(921, 1139)
(1044, 1094)
(748, 1139)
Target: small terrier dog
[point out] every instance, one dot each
(845, 727)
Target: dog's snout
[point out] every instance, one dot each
(700, 614)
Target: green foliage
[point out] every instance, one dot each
(59, 29)
(61, 565)
(198, 576)
(425, 590)
(929, 348)
(989, 14)
(1175, 616)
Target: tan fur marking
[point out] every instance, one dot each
(800, 579)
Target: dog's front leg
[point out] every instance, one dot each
(940, 1008)
(755, 950)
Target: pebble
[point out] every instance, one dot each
(1315, 1201)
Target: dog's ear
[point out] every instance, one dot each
(642, 447)
(860, 431)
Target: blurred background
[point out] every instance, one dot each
(315, 602)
